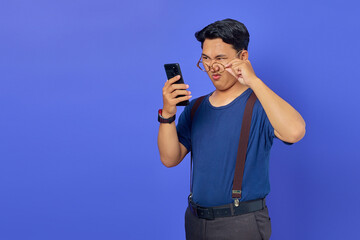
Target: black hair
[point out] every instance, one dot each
(229, 30)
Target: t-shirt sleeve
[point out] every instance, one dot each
(268, 129)
(265, 127)
(183, 127)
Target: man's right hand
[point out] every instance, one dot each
(170, 92)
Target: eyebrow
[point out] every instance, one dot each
(218, 56)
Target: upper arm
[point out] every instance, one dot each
(281, 138)
(278, 135)
(183, 151)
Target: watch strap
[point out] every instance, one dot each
(161, 119)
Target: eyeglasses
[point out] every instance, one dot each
(217, 66)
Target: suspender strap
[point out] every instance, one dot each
(243, 144)
(192, 114)
(196, 106)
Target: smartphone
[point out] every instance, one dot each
(172, 70)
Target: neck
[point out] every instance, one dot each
(224, 97)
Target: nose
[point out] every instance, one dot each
(214, 67)
(217, 68)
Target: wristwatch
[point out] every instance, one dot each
(165, 120)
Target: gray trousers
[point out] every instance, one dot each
(250, 226)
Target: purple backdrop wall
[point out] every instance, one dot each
(80, 85)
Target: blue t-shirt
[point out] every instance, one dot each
(213, 136)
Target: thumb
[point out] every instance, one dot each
(230, 71)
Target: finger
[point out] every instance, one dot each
(234, 62)
(180, 99)
(176, 93)
(236, 70)
(174, 79)
(230, 70)
(174, 87)
(231, 63)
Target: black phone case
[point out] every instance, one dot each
(172, 70)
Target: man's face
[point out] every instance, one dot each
(215, 50)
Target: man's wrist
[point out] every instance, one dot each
(254, 82)
(165, 114)
(163, 119)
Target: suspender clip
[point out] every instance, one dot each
(190, 197)
(236, 202)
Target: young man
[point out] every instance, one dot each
(212, 135)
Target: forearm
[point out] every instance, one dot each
(171, 151)
(168, 144)
(286, 121)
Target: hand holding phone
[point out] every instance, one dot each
(172, 70)
(174, 92)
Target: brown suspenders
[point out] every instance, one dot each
(242, 149)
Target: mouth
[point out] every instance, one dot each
(216, 76)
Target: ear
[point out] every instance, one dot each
(244, 55)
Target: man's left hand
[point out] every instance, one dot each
(242, 71)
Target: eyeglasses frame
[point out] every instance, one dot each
(211, 66)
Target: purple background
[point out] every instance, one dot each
(80, 86)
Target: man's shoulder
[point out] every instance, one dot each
(190, 110)
(197, 100)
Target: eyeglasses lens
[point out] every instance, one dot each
(216, 67)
